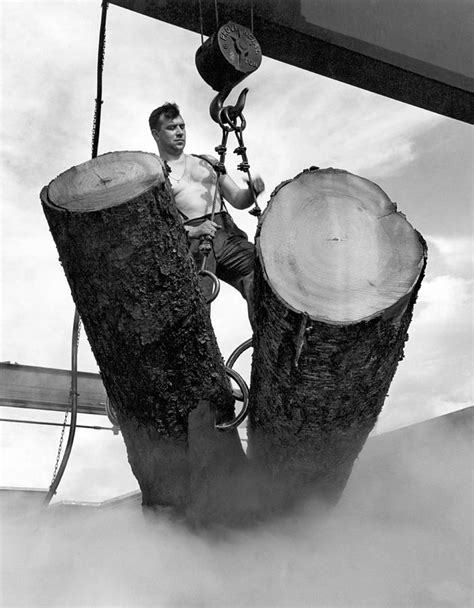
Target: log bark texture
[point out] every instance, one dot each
(338, 271)
(124, 253)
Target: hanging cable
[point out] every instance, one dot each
(251, 16)
(201, 22)
(217, 14)
(73, 399)
(100, 70)
(59, 470)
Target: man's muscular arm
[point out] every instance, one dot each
(240, 198)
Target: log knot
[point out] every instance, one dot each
(304, 330)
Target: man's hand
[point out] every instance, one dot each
(241, 198)
(206, 228)
(258, 185)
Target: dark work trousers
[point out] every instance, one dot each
(231, 258)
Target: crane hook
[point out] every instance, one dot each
(221, 114)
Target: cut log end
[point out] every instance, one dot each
(106, 181)
(346, 255)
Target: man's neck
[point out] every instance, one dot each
(171, 156)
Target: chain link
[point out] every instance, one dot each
(100, 69)
(61, 439)
(66, 416)
(229, 122)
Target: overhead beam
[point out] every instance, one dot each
(45, 388)
(285, 35)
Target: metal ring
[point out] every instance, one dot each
(238, 351)
(227, 426)
(110, 411)
(216, 284)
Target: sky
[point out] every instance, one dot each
(295, 119)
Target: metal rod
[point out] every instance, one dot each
(43, 422)
(201, 23)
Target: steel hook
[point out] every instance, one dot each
(221, 114)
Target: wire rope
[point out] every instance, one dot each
(201, 22)
(216, 10)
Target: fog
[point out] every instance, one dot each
(401, 536)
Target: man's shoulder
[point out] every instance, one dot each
(205, 157)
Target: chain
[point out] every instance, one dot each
(229, 123)
(66, 416)
(61, 439)
(100, 69)
(244, 166)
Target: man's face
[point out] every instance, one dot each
(171, 137)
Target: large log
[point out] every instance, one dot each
(124, 253)
(338, 271)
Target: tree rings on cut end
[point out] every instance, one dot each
(105, 181)
(333, 245)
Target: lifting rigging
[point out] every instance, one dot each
(223, 61)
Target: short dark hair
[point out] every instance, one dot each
(168, 110)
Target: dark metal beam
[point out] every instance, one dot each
(286, 36)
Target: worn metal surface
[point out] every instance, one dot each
(228, 56)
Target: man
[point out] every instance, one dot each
(194, 182)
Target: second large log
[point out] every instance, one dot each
(338, 271)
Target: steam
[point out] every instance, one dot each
(401, 536)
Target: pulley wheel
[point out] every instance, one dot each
(228, 56)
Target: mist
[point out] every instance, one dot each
(400, 536)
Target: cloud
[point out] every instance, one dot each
(455, 254)
(435, 376)
(326, 123)
(447, 300)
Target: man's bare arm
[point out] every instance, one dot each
(240, 198)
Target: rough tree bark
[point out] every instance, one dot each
(124, 253)
(338, 271)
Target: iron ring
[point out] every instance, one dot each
(227, 426)
(216, 286)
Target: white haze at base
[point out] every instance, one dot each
(400, 537)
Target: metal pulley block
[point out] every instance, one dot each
(228, 56)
